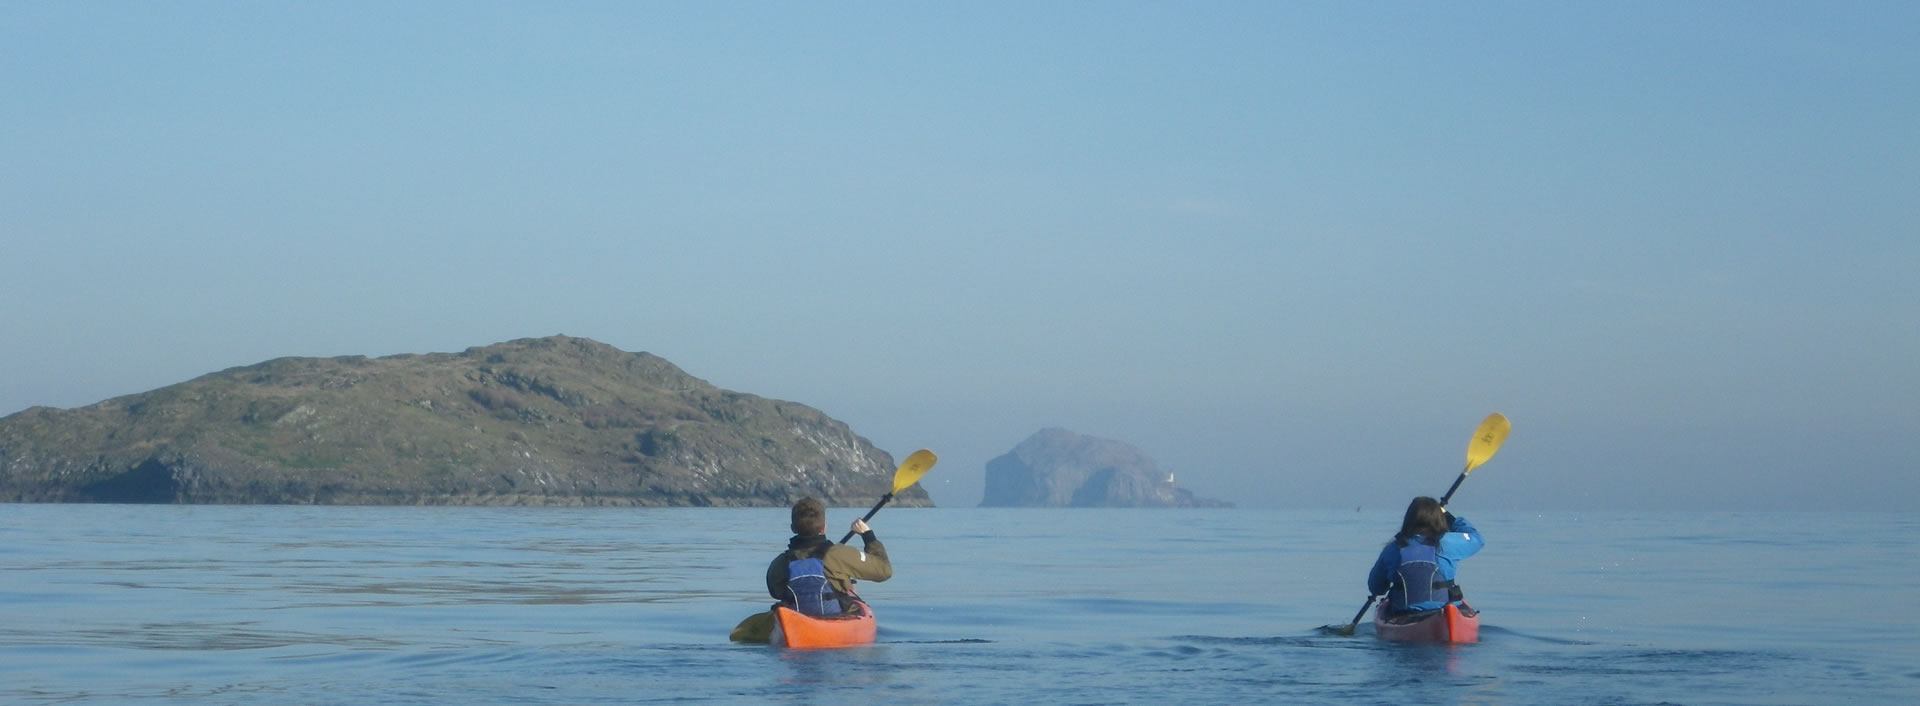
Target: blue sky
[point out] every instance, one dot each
(1294, 252)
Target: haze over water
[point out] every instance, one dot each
(1293, 251)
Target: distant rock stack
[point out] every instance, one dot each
(1059, 468)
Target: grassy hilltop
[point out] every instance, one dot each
(547, 421)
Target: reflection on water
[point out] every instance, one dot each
(1418, 661)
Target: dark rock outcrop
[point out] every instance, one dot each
(548, 421)
(1058, 468)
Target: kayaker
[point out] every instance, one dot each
(814, 574)
(1417, 570)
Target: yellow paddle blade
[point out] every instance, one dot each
(1487, 440)
(912, 469)
(756, 628)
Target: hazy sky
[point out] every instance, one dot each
(1293, 251)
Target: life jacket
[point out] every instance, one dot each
(807, 586)
(1418, 580)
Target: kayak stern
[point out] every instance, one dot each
(796, 630)
(1449, 625)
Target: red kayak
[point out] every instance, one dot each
(801, 631)
(1448, 625)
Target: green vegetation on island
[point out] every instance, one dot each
(546, 421)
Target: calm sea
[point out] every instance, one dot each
(107, 604)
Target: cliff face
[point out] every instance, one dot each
(1058, 468)
(548, 421)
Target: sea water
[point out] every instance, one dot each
(121, 604)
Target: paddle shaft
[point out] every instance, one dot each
(1454, 487)
(870, 514)
(1355, 622)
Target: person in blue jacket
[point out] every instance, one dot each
(1417, 570)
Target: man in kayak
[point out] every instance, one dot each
(814, 575)
(1416, 570)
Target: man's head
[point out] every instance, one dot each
(809, 517)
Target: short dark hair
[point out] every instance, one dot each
(809, 516)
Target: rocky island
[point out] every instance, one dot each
(1059, 468)
(542, 421)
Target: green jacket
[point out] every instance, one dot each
(844, 563)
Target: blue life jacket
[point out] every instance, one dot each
(1418, 580)
(807, 584)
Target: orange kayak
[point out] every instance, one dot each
(1446, 625)
(801, 631)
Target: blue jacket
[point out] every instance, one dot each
(1460, 541)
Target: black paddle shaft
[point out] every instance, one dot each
(1355, 622)
(1456, 486)
(870, 514)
